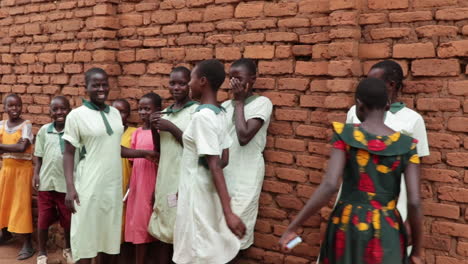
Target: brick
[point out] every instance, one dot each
(230, 25)
(394, 4)
(343, 49)
(430, 31)
(283, 52)
(82, 56)
(289, 202)
(281, 98)
(433, 3)
(290, 144)
(173, 54)
(452, 14)
(34, 29)
(103, 55)
(294, 22)
(103, 22)
(310, 161)
(189, 16)
(312, 101)
(198, 54)
(320, 21)
(458, 87)
(320, 51)
(290, 115)
(435, 67)
(293, 84)
(441, 210)
(301, 50)
(457, 159)
(131, 20)
(198, 3)
(281, 37)
(440, 140)
(27, 58)
(278, 157)
(247, 10)
(449, 193)
(159, 68)
(146, 7)
(398, 17)
(53, 68)
(439, 175)
(345, 33)
(264, 83)
(134, 68)
(438, 104)
(164, 17)
(383, 33)
(152, 42)
(344, 4)
(315, 38)
(46, 57)
(218, 13)
(73, 68)
(374, 50)
(449, 228)
(56, 79)
(373, 18)
(280, 9)
(275, 67)
(189, 40)
(438, 243)
(311, 131)
(228, 53)
(126, 56)
(259, 52)
(148, 55)
(341, 85)
(314, 6)
(344, 18)
(465, 30)
(462, 248)
(344, 68)
(104, 9)
(415, 50)
(311, 68)
(453, 49)
(261, 24)
(174, 29)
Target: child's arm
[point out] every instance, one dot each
(412, 178)
(37, 170)
(225, 158)
(162, 124)
(68, 166)
(156, 139)
(234, 223)
(245, 129)
(19, 147)
(138, 153)
(321, 196)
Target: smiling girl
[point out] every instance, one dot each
(16, 176)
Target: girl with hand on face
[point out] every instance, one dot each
(206, 228)
(171, 125)
(16, 174)
(143, 180)
(365, 226)
(248, 119)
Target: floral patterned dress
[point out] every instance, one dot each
(365, 227)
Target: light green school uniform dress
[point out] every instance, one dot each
(96, 225)
(162, 219)
(246, 169)
(201, 234)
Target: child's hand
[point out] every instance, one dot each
(236, 225)
(240, 92)
(154, 119)
(408, 233)
(70, 199)
(36, 182)
(152, 156)
(285, 239)
(164, 124)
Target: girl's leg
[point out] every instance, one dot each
(5, 236)
(43, 235)
(140, 253)
(67, 239)
(27, 250)
(103, 258)
(84, 261)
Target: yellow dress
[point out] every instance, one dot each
(15, 183)
(126, 169)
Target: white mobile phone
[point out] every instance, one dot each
(296, 241)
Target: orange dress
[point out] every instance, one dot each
(15, 185)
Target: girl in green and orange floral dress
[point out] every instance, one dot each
(365, 226)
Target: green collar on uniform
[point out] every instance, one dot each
(171, 110)
(213, 108)
(106, 110)
(51, 130)
(395, 107)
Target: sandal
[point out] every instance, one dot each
(26, 253)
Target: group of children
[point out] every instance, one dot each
(190, 177)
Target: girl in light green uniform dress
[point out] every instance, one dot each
(249, 117)
(171, 125)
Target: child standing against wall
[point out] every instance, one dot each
(49, 179)
(16, 175)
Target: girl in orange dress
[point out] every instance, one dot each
(16, 176)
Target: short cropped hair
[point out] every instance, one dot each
(183, 70)
(155, 99)
(392, 72)
(93, 71)
(213, 71)
(248, 64)
(372, 92)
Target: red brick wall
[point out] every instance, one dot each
(311, 53)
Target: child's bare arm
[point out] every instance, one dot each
(412, 178)
(225, 158)
(68, 166)
(19, 147)
(234, 223)
(37, 170)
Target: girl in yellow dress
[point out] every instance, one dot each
(16, 176)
